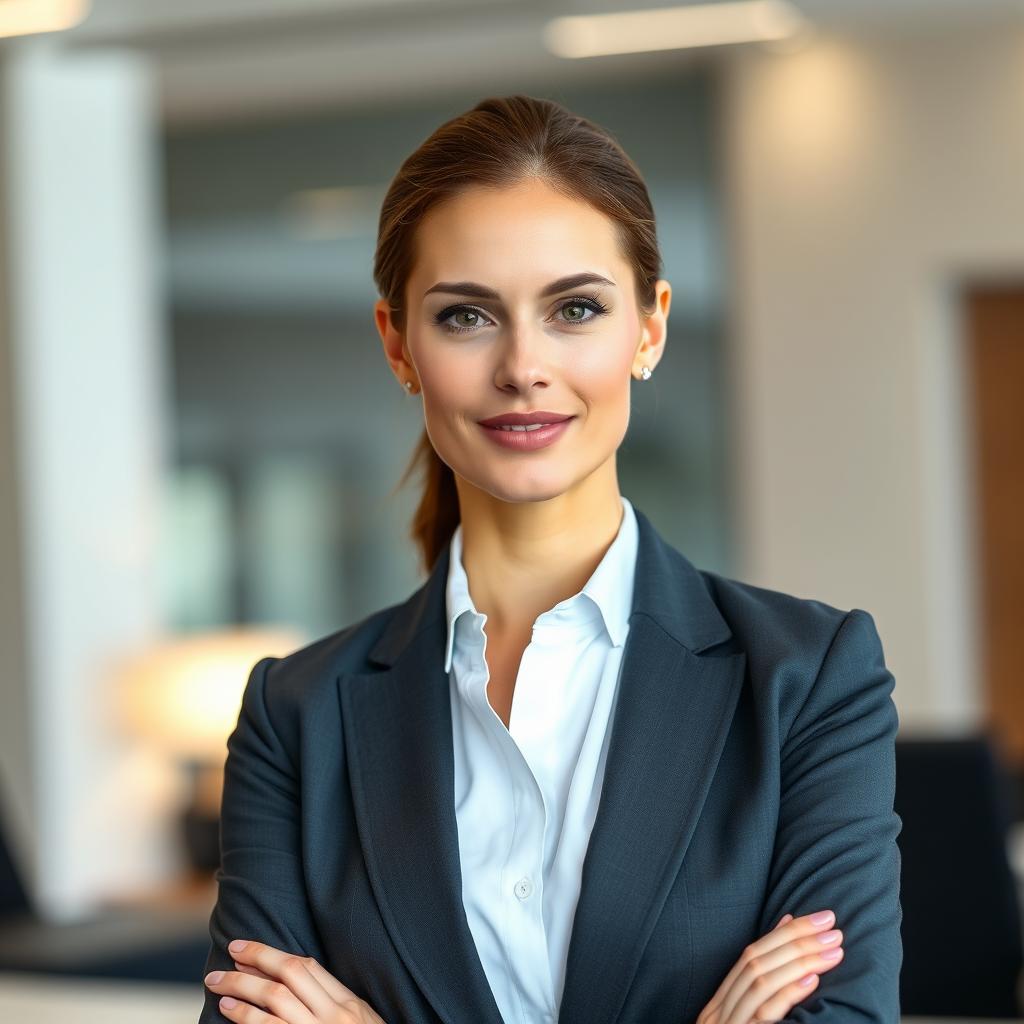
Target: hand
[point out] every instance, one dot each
(274, 987)
(774, 973)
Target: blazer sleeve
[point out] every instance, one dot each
(836, 844)
(261, 891)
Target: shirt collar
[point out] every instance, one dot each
(610, 587)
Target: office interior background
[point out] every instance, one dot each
(201, 442)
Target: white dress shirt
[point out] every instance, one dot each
(526, 796)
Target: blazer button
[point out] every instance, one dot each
(523, 888)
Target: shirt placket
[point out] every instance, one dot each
(520, 877)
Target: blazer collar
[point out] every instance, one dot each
(667, 588)
(668, 729)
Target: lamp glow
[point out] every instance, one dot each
(185, 694)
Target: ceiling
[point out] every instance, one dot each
(128, 18)
(221, 59)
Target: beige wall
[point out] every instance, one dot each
(868, 178)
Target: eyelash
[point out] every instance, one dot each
(581, 300)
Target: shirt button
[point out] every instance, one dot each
(523, 888)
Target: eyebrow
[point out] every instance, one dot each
(479, 291)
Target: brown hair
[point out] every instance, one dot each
(499, 142)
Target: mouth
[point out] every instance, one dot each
(526, 436)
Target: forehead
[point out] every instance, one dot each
(514, 238)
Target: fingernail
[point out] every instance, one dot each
(833, 936)
(808, 980)
(831, 954)
(822, 917)
(228, 1003)
(238, 945)
(214, 977)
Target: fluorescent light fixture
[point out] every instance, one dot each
(672, 28)
(27, 17)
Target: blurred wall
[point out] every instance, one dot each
(868, 178)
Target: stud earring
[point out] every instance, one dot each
(408, 386)
(645, 373)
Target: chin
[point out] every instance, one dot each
(518, 492)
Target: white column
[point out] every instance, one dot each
(85, 440)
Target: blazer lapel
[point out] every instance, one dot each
(671, 719)
(398, 737)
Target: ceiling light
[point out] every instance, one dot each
(28, 17)
(672, 28)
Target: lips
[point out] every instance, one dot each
(519, 419)
(527, 437)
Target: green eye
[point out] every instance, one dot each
(581, 303)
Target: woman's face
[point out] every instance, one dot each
(496, 324)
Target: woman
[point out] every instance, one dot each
(572, 777)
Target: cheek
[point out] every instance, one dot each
(436, 365)
(449, 379)
(599, 373)
(452, 386)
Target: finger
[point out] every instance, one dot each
(254, 971)
(730, 978)
(781, 988)
(759, 983)
(778, 1006)
(294, 973)
(246, 1013)
(335, 990)
(794, 928)
(797, 942)
(273, 996)
(779, 935)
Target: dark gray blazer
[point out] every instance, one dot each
(750, 773)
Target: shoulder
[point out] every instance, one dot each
(806, 659)
(304, 679)
(792, 642)
(773, 623)
(709, 611)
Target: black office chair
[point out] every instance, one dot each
(961, 916)
(13, 898)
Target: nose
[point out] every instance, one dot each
(523, 360)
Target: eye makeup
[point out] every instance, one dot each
(592, 303)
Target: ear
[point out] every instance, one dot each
(393, 340)
(653, 330)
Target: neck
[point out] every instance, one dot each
(522, 558)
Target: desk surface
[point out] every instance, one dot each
(50, 1000)
(47, 1000)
